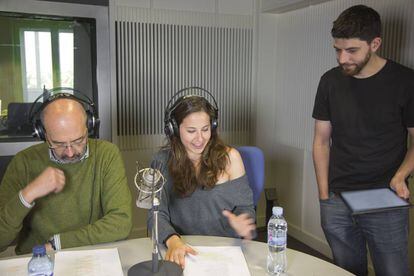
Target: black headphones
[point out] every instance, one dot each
(171, 127)
(92, 122)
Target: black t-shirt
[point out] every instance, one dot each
(369, 120)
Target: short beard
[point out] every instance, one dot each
(358, 66)
(70, 160)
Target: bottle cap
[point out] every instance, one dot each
(277, 211)
(39, 250)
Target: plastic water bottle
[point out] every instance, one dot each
(40, 264)
(276, 241)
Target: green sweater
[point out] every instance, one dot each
(93, 207)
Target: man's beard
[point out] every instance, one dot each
(357, 66)
(64, 159)
(69, 160)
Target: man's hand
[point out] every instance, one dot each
(177, 250)
(51, 180)
(243, 224)
(400, 187)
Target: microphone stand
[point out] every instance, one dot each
(154, 234)
(155, 266)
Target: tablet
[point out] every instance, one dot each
(373, 200)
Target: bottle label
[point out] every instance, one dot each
(278, 239)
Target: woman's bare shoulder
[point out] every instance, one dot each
(235, 167)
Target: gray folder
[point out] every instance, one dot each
(373, 200)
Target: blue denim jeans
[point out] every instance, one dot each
(385, 233)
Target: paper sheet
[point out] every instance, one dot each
(99, 262)
(14, 267)
(216, 260)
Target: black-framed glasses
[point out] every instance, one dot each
(76, 144)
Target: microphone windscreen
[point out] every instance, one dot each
(149, 182)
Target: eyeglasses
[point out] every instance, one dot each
(76, 144)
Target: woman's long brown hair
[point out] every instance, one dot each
(214, 158)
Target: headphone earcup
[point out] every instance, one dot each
(38, 130)
(214, 124)
(175, 127)
(97, 124)
(92, 123)
(169, 129)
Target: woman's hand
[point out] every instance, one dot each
(243, 224)
(177, 250)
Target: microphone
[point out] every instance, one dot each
(149, 182)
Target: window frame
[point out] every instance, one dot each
(19, 29)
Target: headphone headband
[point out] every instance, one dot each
(181, 91)
(49, 96)
(170, 123)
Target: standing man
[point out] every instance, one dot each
(68, 191)
(364, 109)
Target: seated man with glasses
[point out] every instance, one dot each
(69, 191)
(77, 146)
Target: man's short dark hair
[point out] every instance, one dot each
(357, 22)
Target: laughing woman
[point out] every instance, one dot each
(207, 190)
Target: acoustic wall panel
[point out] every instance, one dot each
(159, 52)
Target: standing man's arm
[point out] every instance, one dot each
(407, 166)
(321, 149)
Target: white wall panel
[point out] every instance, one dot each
(239, 7)
(281, 6)
(266, 111)
(243, 7)
(304, 52)
(186, 5)
(133, 3)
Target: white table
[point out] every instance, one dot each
(138, 250)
